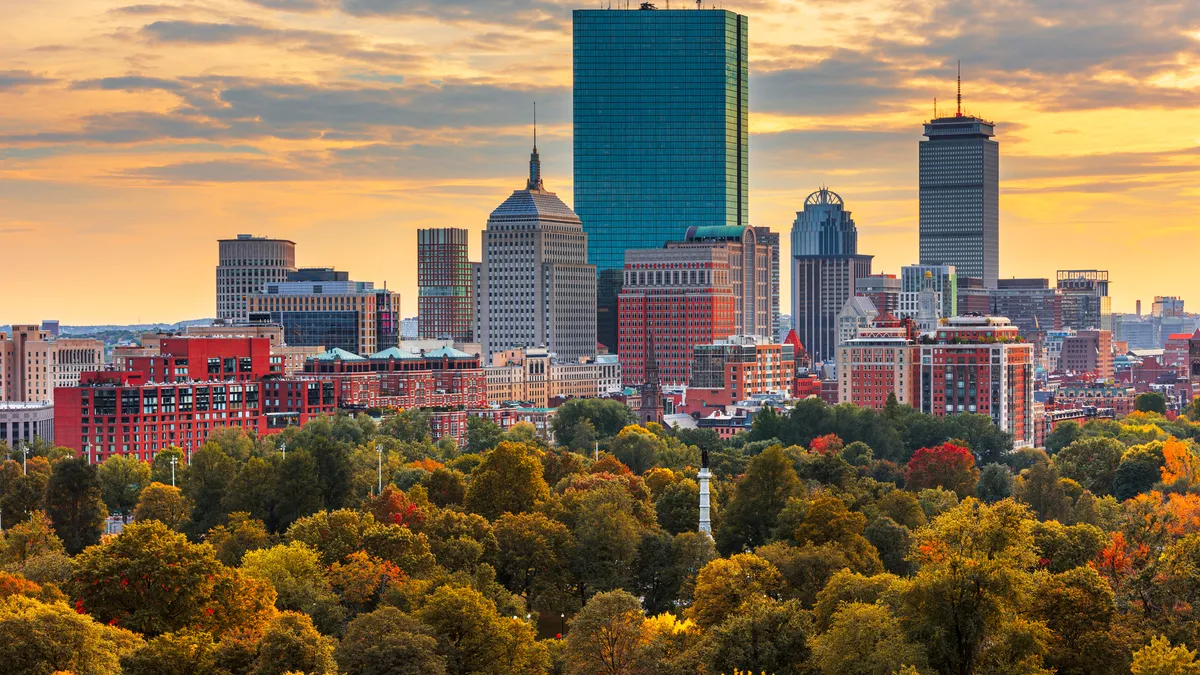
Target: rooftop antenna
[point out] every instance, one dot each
(959, 113)
(935, 107)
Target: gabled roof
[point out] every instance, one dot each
(448, 353)
(337, 354)
(395, 353)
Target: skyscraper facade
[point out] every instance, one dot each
(353, 316)
(1085, 300)
(445, 287)
(826, 268)
(771, 239)
(536, 287)
(960, 196)
(660, 132)
(913, 280)
(244, 266)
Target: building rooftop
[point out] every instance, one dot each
(448, 353)
(338, 354)
(395, 353)
(716, 233)
(525, 205)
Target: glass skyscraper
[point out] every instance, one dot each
(960, 197)
(660, 101)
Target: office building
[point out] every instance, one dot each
(22, 422)
(883, 290)
(879, 362)
(1088, 354)
(737, 369)
(913, 281)
(537, 288)
(1085, 300)
(974, 298)
(679, 297)
(137, 413)
(445, 286)
(1031, 304)
(826, 268)
(771, 239)
(536, 377)
(52, 327)
(960, 196)
(245, 265)
(1167, 306)
(660, 132)
(750, 270)
(977, 364)
(33, 362)
(350, 315)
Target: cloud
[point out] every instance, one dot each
(544, 14)
(219, 171)
(128, 83)
(11, 80)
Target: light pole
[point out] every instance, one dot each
(379, 450)
(283, 447)
(173, 460)
(24, 459)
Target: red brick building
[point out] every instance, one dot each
(1175, 352)
(137, 414)
(1119, 398)
(728, 371)
(880, 362)
(685, 297)
(395, 378)
(977, 364)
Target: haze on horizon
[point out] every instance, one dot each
(134, 135)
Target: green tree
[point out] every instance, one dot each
(607, 636)
(678, 507)
(532, 555)
(446, 487)
(608, 418)
(805, 569)
(208, 479)
(239, 534)
(1064, 434)
(892, 541)
(1092, 462)
(1041, 487)
(163, 503)
(847, 587)
(584, 437)
(74, 504)
(187, 652)
(1136, 473)
(290, 643)
(903, 507)
(606, 531)
(637, 447)
(1151, 402)
(160, 466)
(767, 425)
(122, 479)
(763, 636)
(1064, 547)
(995, 483)
(474, 638)
(388, 642)
(28, 539)
(38, 638)
(407, 426)
(725, 583)
(482, 435)
(509, 481)
(23, 490)
(865, 639)
(1078, 607)
(750, 515)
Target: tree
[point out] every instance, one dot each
(388, 642)
(637, 447)
(607, 636)
(767, 425)
(239, 534)
(1136, 474)
(865, 639)
(446, 487)
(290, 643)
(163, 503)
(474, 638)
(763, 636)
(995, 483)
(725, 583)
(1091, 461)
(407, 426)
(604, 524)
(532, 555)
(1064, 434)
(584, 437)
(187, 652)
(482, 435)
(805, 569)
(946, 466)
(122, 478)
(1042, 488)
(749, 518)
(29, 539)
(847, 587)
(161, 469)
(1152, 401)
(74, 504)
(208, 478)
(23, 490)
(903, 507)
(294, 570)
(1160, 658)
(151, 580)
(678, 507)
(38, 638)
(892, 541)
(608, 418)
(509, 481)
(1078, 607)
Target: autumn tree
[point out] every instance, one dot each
(607, 636)
(762, 636)
(208, 477)
(28, 539)
(39, 638)
(1160, 658)
(750, 515)
(1078, 607)
(388, 642)
(74, 504)
(161, 469)
(22, 490)
(637, 448)
(863, 639)
(290, 643)
(239, 534)
(122, 479)
(163, 503)
(295, 572)
(946, 466)
(533, 554)
(509, 481)
(473, 638)
(725, 583)
(678, 507)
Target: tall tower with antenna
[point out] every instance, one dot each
(960, 194)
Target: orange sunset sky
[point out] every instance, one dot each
(132, 136)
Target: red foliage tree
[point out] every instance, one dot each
(946, 466)
(392, 507)
(829, 444)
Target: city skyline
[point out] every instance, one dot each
(140, 134)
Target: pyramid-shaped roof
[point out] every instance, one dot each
(395, 353)
(448, 353)
(338, 354)
(526, 205)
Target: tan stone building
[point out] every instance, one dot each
(33, 363)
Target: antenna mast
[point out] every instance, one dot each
(959, 113)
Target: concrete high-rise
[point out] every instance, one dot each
(660, 133)
(1085, 300)
(33, 363)
(826, 268)
(353, 316)
(446, 288)
(536, 287)
(771, 239)
(244, 266)
(960, 196)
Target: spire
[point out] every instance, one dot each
(535, 161)
(959, 113)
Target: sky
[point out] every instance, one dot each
(133, 136)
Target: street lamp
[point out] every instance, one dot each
(562, 624)
(173, 460)
(379, 449)
(283, 447)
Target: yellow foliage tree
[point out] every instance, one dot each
(1179, 461)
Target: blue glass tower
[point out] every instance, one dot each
(660, 101)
